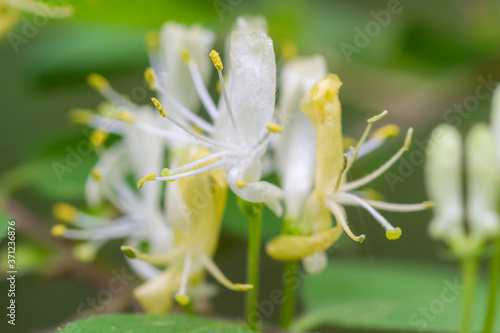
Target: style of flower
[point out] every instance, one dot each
(242, 123)
(10, 12)
(332, 191)
(194, 206)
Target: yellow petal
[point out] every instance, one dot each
(286, 248)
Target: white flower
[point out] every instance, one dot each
(444, 184)
(194, 206)
(242, 123)
(332, 191)
(143, 220)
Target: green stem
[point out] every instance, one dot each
(253, 212)
(469, 271)
(289, 286)
(494, 277)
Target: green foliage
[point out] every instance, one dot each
(153, 324)
(384, 295)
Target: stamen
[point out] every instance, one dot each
(186, 56)
(125, 116)
(386, 132)
(167, 134)
(392, 207)
(196, 164)
(341, 172)
(216, 60)
(219, 276)
(275, 128)
(147, 178)
(159, 107)
(391, 232)
(98, 137)
(96, 174)
(198, 170)
(339, 216)
(189, 131)
(81, 116)
(181, 297)
(98, 82)
(58, 230)
(115, 230)
(159, 259)
(366, 179)
(151, 79)
(363, 139)
(205, 98)
(65, 212)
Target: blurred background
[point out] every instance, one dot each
(427, 62)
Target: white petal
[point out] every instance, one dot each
(443, 177)
(251, 88)
(173, 72)
(249, 24)
(296, 150)
(256, 191)
(482, 183)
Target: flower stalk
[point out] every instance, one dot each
(289, 286)
(493, 288)
(253, 213)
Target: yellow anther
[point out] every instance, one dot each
(409, 134)
(242, 287)
(288, 51)
(275, 128)
(429, 204)
(96, 174)
(125, 116)
(98, 137)
(240, 183)
(393, 234)
(186, 56)
(159, 107)
(58, 230)
(152, 40)
(97, 81)
(150, 76)
(387, 131)
(128, 251)
(64, 212)
(196, 129)
(216, 60)
(148, 178)
(182, 299)
(81, 116)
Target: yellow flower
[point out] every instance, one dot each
(194, 206)
(332, 191)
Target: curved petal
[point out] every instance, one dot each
(251, 89)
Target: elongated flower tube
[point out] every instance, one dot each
(10, 12)
(444, 185)
(195, 207)
(332, 191)
(243, 122)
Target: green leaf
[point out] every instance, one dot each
(384, 295)
(153, 324)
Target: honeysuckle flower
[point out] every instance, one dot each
(242, 122)
(195, 207)
(332, 191)
(10, 12)
(444, 184)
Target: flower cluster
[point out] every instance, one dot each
(170, 242)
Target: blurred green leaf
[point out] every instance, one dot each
(399, 296)
(153, 324)
(30, 257)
